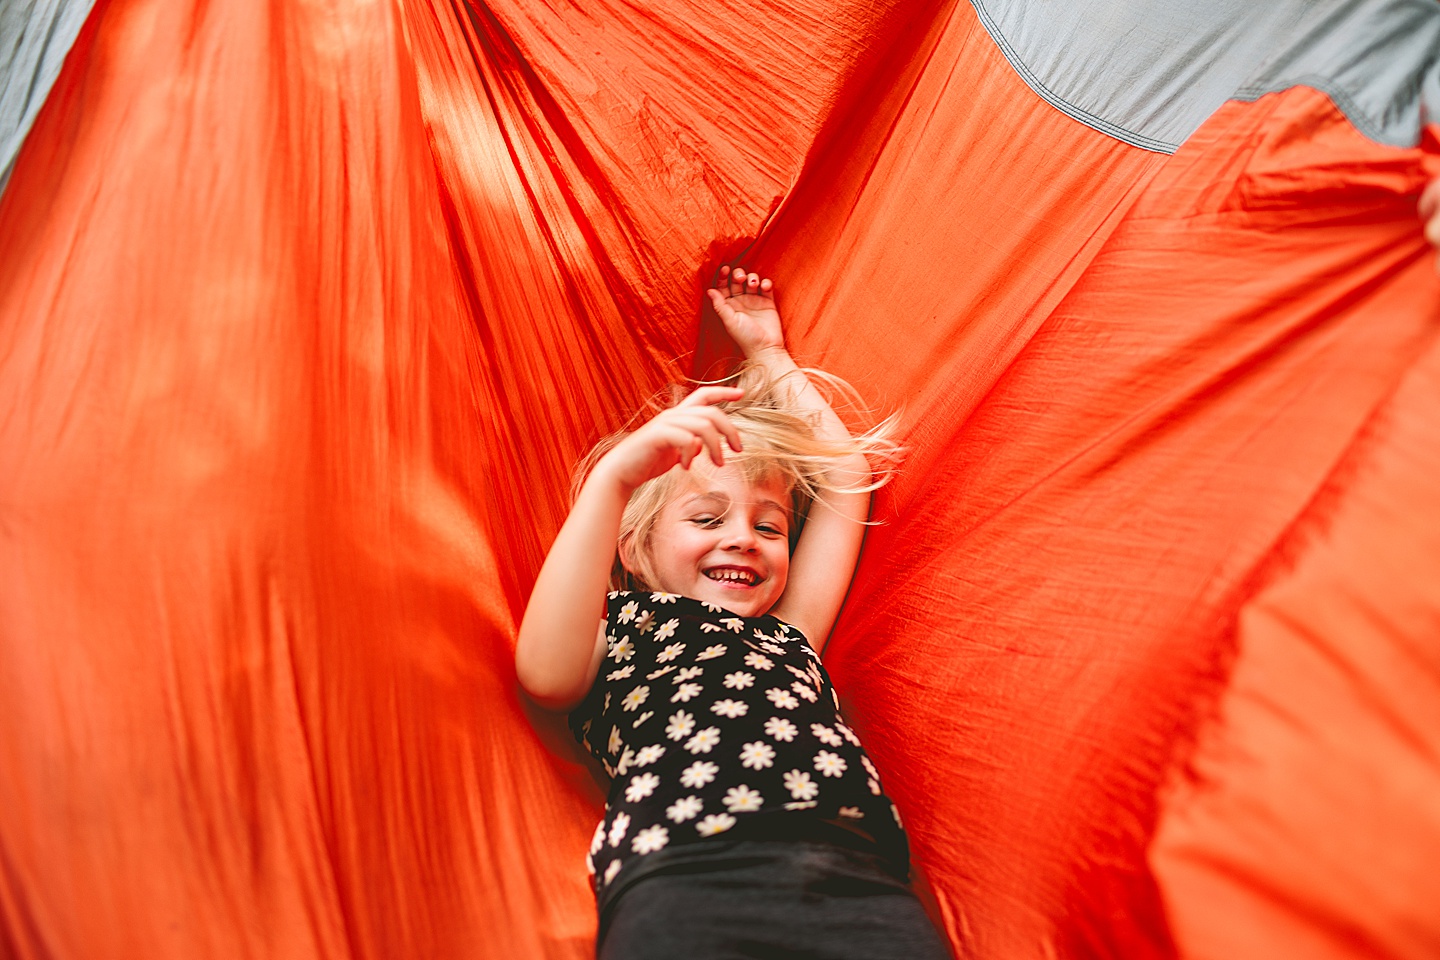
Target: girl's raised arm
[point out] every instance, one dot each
(824, 559)
(559, 649)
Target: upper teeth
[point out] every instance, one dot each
(745, 575)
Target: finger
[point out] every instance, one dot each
(710, 426)
(706, 396)
(718, 431)
(692, 450)
(722, 426)
(737, 282)
(752, 283)
(767, 288)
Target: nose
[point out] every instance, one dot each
(739, 537)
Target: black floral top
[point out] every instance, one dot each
(703, 718)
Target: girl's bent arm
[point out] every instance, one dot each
(559, 648)
(560, 645)
(829, 548)
(824, 559)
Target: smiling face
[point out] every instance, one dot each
(723, 539)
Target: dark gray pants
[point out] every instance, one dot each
(766, 899)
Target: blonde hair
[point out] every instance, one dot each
(780, 440)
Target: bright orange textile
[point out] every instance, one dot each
(306, 309)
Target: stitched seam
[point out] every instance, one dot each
(1059, 102)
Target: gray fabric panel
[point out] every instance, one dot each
(1150, 73)
(35, 35)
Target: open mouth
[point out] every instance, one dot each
(734, 576)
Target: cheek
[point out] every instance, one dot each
(779, 562)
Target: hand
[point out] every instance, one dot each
(672, 436)
(746, 306)
(1430, 213)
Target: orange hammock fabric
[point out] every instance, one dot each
(307, 309)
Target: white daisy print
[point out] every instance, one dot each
(731, 708)
(825, 735)
(853, 813)
(758, 661)
(634, 698)
(663, 597)
(680, 725)
(649, 755)
(800, 785)
(646, 623)
(642, 718)
(781, 729)
(829, 764)
(622, 650)
(869, 767)
(712, 607)
(804, 689)
(776, 649)
(802, 804)
(704, 741)
(734, 623)
(627, 612)
(626, 758)
(670, 653)
(761, 634)
(710, 628)
(799, 674)
(615, 741)
(689, 673)
(715, 823)
(710, 653)
(650, 839)
(657, 674)
(686, 692)
(611, 870)
(782, 699)
(623, 673)
(874, 786)
(739, 680)
(848, 734)
(742, 799)
(757, 755)
(618, 828)
(641, 787)
(698, 774)
(597, 841)
(667, 630)
(686, 808)
(895, 812)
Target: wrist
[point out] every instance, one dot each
(608, 481)
(771, 357)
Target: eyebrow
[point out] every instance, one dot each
(717, 497)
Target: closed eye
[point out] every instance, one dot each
(705, 521)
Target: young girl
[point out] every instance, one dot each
(744, 818)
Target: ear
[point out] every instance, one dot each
(626, 549)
